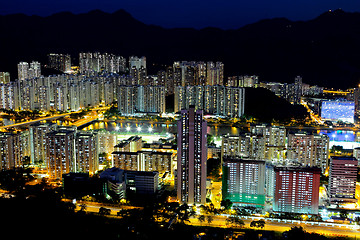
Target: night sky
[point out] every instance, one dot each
(226, 14)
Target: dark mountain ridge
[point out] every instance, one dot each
(324, 50)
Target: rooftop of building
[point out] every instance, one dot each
(239, 159)
(141, 173)
(297, 168)
(138, 152)
(122, 144)
(117, 171)
(126, 153)
(61, 132)
(85, 134)
(343, 158)
(134, 138)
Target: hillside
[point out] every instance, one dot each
(324, 50)
(265, 106)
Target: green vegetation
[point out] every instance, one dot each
(257, 223)
(261, 105)
(18, 116)
(79, 115)
(112, 112)
(210, 140)
(298, 233)
(324, 179)
(226, 203)
(234, 221)
(213, 168)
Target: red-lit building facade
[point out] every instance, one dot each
(342, 179)
(297, 189)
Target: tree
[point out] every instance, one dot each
(241, 211)
(104, 211)
(258, 224)
(26, 161)
(261, 223)
(210, 140)
(253, 223)
(209, 219)
(316, 218)
(235, 221)
(343, 214)
(201, 218)
(336, 148)
(298, 233)
(83, 207)
(184, 212)
(213, 168)
(226, 203)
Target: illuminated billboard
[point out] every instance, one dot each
(338, 110)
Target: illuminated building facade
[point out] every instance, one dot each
(38, 147)
(338, 110)
(10, 151)
(245, 145)
(60, 155)
(192, 156)
(275, 140)
(244, 181)
(297, 189)
(309, 149)
(61, 62)
(141, 99)
(342, 179)
(86, 153)
(23, 70)
(215, 100)
(4, 77)
(144, 161)
(101, 62)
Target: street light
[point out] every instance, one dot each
(150, 129)
(333, 137)
(128, 128)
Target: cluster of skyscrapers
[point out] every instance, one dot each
(292, 91)
(265, 165)
(269, 163)
(59, 92)
(100, 82)
(214, 99)
(92, 63)
(65, 149)
(60, 62)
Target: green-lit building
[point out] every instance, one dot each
(244, 181)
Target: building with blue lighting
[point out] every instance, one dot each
(338, 110)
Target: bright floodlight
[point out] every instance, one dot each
(150, 129)
(333, 135)
(117, 128)
(128, 128)
(139, 129)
